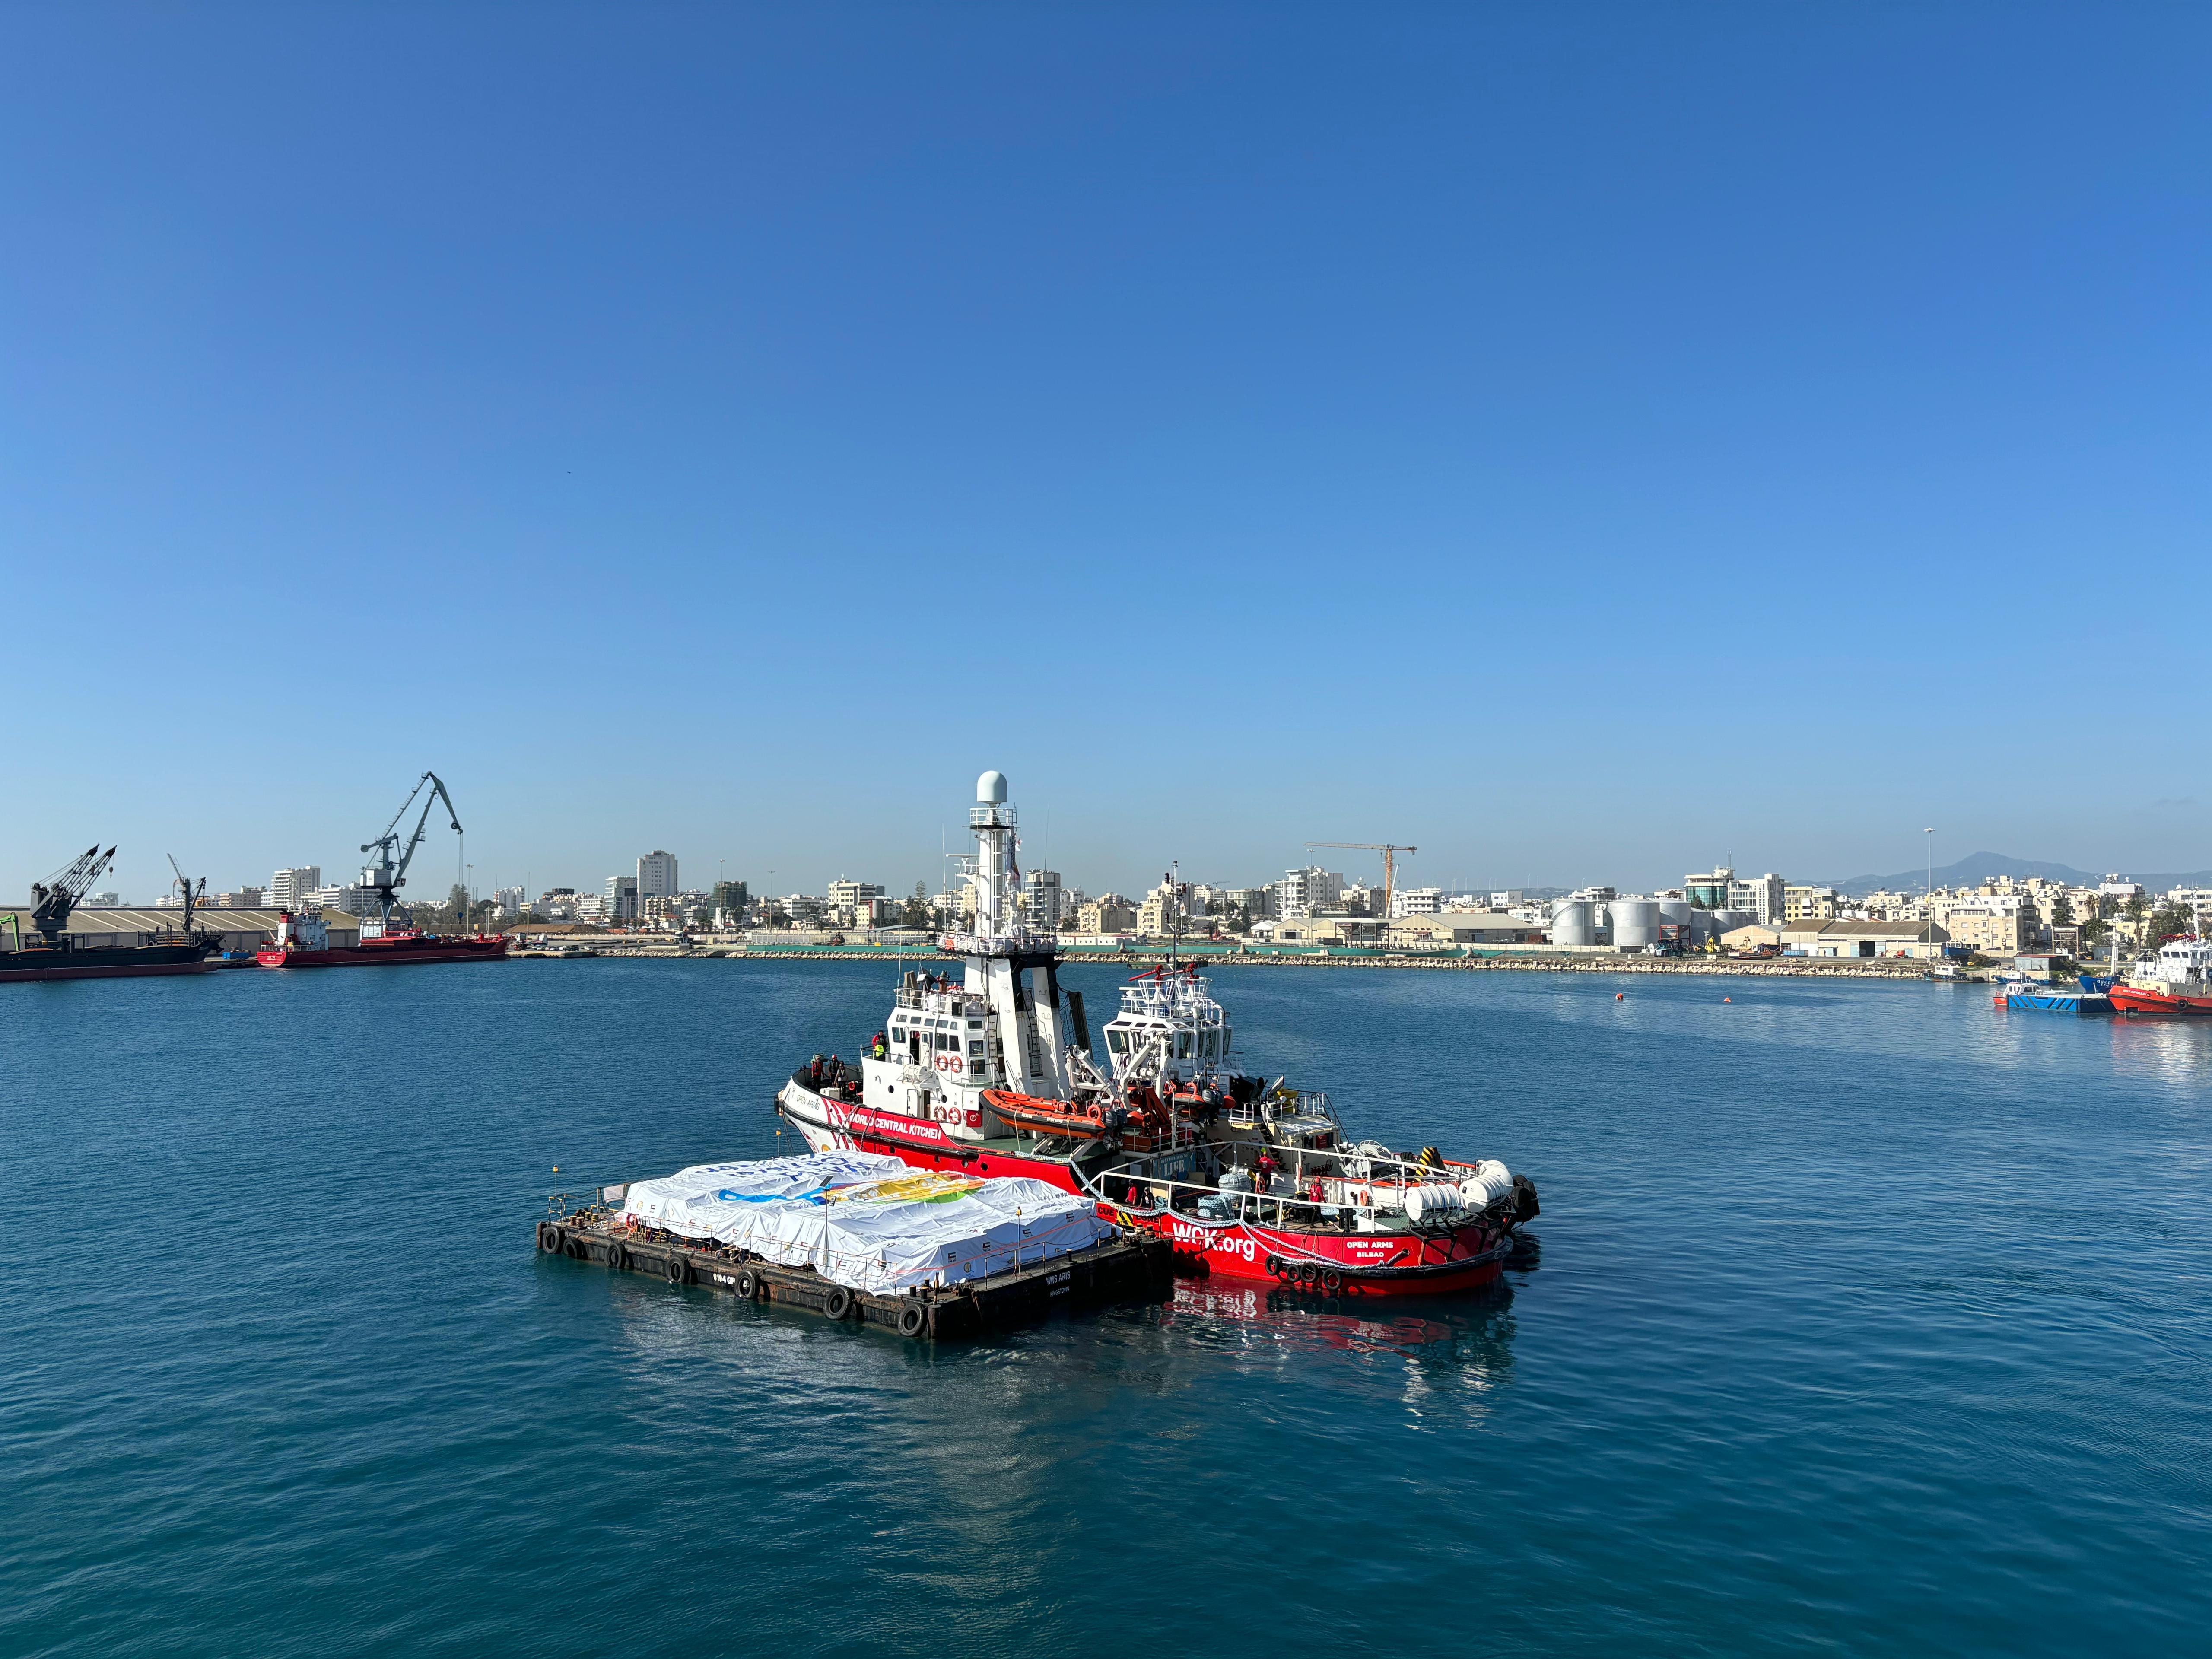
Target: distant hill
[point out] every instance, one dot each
(1980, 866)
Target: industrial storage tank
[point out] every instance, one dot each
(1678, 913)
(1573, 924)
(1727, 921)
(1635, 923)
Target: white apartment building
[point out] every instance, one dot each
(1417, 902)
(353, 901)
(656, 876)
(1761, 894)
(846, 894)
(1302, 892)
(507, 900)
(288, 890)
(1040, 899)
(618, 899)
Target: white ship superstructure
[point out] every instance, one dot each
(996, 1025)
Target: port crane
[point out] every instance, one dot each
(191, 894)
(383, 876)
(52, 899)
(1389, 851)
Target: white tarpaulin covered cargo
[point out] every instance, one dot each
(867, 1221)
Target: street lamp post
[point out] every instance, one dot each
(1930, 900)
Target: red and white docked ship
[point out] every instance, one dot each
(305, 941)
(2177, 981)
(990, 1070)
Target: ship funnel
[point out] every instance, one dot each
(991, 789)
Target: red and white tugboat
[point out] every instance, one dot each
(990, 1071)
(2177, 981)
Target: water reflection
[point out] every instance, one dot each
(1470, 1330)
(2168, 1050)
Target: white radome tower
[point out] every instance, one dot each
(992, 821)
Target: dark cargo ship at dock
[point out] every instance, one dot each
(52, 954)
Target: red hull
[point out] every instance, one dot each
(2129, 1000)
(1384, 1264)
(376, 955)
(1363, 1264)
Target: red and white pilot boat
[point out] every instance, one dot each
(2177, 981)
(989, 1069)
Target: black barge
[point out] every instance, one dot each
(1129, 1268)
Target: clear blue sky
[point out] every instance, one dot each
(1581, 441)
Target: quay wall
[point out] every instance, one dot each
(1597, 960)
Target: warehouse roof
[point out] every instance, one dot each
(1924, 931)
(150, 921)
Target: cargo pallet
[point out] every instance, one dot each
(1127, 1269)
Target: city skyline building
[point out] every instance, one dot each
(288, 889)
(619, 898)
(656, 876)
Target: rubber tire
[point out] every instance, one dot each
(748, 1286)
(575, 1249)
(840, 1303)
(1331, 1281)
(1308, 1273)
(549, 1237)
(1278, 1267)
(615, 1258)
(678, 1270)
(912, 1319)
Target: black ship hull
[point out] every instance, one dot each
(103, 962)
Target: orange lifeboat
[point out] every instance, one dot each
(1138, 1128)
(1069, 1119)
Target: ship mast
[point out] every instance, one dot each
(1013, 969)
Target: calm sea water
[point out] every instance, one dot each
(1866, 1317)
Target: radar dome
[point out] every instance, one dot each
(991, 789)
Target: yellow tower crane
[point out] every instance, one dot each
(1389, 852)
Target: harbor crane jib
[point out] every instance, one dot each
(52, 899)
(1389, 852)
(386, 875)
(190, 896)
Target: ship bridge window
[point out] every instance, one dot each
(976, 1048)
(1205, 1045)
(1182, 1045)
(1118, 1041)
